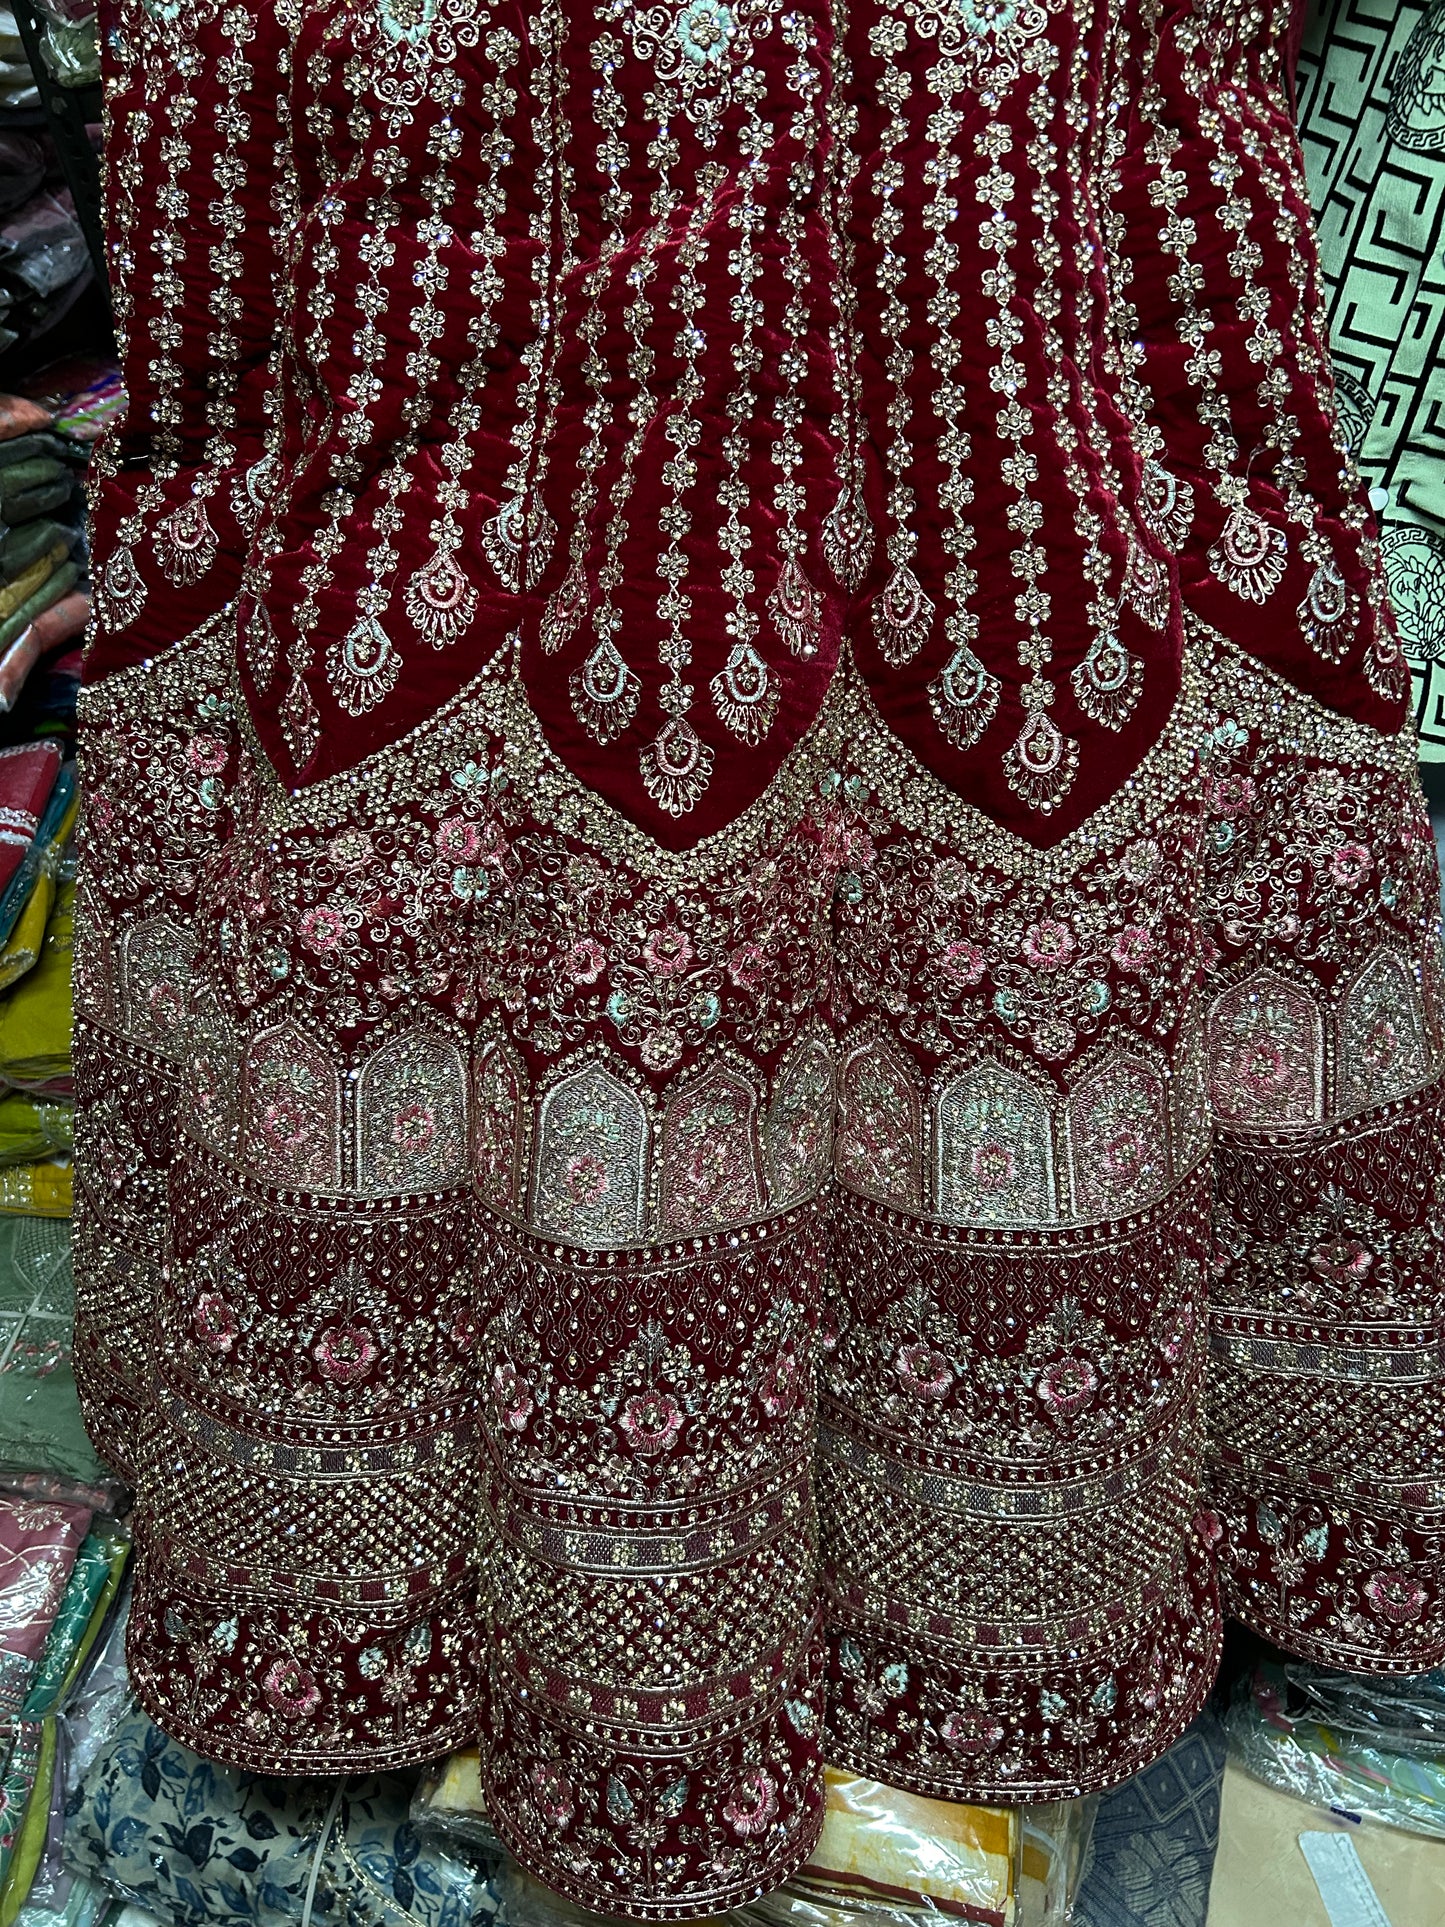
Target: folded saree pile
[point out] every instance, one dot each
(40, 1422)
(61, 1567)
(199, 1845)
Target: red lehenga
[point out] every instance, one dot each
(666, 886)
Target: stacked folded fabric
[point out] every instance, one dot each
(199, 1845)
(40, 1424)
(1367, 1748)
(60, 1572)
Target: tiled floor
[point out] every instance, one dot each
(1261, 1879)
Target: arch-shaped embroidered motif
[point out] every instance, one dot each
(291, 1111)
(592, 1152)
(1383, 1048)
(995, 1149)
(880, 1125)
(411, 1116)
(1119, 1137)
(710, 1168)
(798, 1135)
(157, 956)
(1265, 1043)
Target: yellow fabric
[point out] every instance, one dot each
(30, 1128)
(880, 1841)
(22, 952)
(25, 1862)
(459, 1787)
(39, 573)
(37, 1190)
(35, 1018)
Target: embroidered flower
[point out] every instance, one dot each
(1067, 1386)
(704, 31)
(1231, 795)
(206, 755)
(101, 812)
(970, 1734)
(1132, 948)
(1124, 1156)
(962, 963)
(925, 1372)
(291, 1690)
(345, 1353)
(1209, 1526)
(586, 961)
(661, 1049)
(1351, 865)
(165, 1004)
(512, 1396)
(284, 1123)
(1344, 1261)
(459, 840)
(350, 850)
(321, 930)
(752, 1806)
(1048, 945)
(1395, 1597)
(667, 952)
(552, 1791)
(993, 1166)
(746, 966)
(1380, 1045)
(587, 1178)
(214, 1322)
(413, 1127)
(782, 1385)
(650, 1423)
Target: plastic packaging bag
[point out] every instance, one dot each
(1382, 1758)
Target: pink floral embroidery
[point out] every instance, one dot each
(782, 1385)
(1351, 865)
(1132, 948)
(345, 1353)
(291, 1690)
(321, 930)
(752, 1805)
(1229, 795)
(351, 850)
(1048, 945)
(994, 1167)
(284, 1123)
(214, 1322)
(746, 966)
(413, 1127)
(1209, 1527)
(587, 1178)
(962, 963)
(667, 952)
(970, 1734)
(206, 755)
(1344, 1261)
(650, 1423)
(1068, 1386)
(1395, 1597)
(586, 961)
(459, 840)
(552, 1791)
(512, 1396)
(925, 1372)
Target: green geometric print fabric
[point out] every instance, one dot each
(1372, 118)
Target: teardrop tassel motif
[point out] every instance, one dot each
(1042, 764)
(186, 544)
(1249, 556)
(261, 650)
(1329, 616)
(1166, 506)
(1146, 583)
(848, 539)
(300, 724)
(1107, 683)
(123, 591)
(363, 667)
(604, 693)
(745, 694)
(903, 619)
(441, 604)
(565, 610)
(676, 767)
(797, 609)
(518, 541)
(964, 698)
